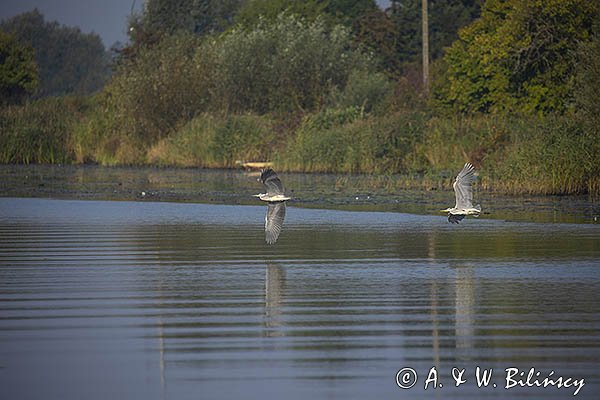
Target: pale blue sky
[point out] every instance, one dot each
(108, 18)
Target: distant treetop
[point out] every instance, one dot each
(69, 61)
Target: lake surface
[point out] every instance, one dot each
(159, 300)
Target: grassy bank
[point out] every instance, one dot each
(550, 155)
(40, 131)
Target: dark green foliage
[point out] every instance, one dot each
(588, 106)
(377, 32)
(371, 92)
(348, 11)
(333, 12)
(588, 81)
(69, 62)
(255, 12)
(451, 141)
(18, 71)
(537, 155)
(445, 19)
(406, 16)
(191, 16)
(167, 17)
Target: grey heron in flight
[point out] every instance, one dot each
(464, 196)
(275, 199)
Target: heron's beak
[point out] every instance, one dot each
(446, 210)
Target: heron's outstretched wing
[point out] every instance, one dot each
(462, 187)
(271, 181)
(274, 221)
(455, 219)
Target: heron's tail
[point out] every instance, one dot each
(478, 207)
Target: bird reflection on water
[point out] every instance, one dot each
(275, 283)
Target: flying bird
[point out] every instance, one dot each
(275, 199)
(464, 196)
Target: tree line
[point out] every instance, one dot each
(330, 86)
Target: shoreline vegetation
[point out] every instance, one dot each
(303, 94)
(534, 155)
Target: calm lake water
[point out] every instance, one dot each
(161, 300)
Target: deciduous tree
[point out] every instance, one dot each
(18, 70)
(519, 55)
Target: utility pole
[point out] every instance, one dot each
(425, 27)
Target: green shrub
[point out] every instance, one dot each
(395, 138)
(347, 140)
(363, 89)
(242, 138)
(160, 89)
(321, 142)
(189, 147)
(208, 141)
(285, 65)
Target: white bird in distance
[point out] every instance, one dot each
(275, 199)
(464, 196)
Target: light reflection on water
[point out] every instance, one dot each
(160, 300)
